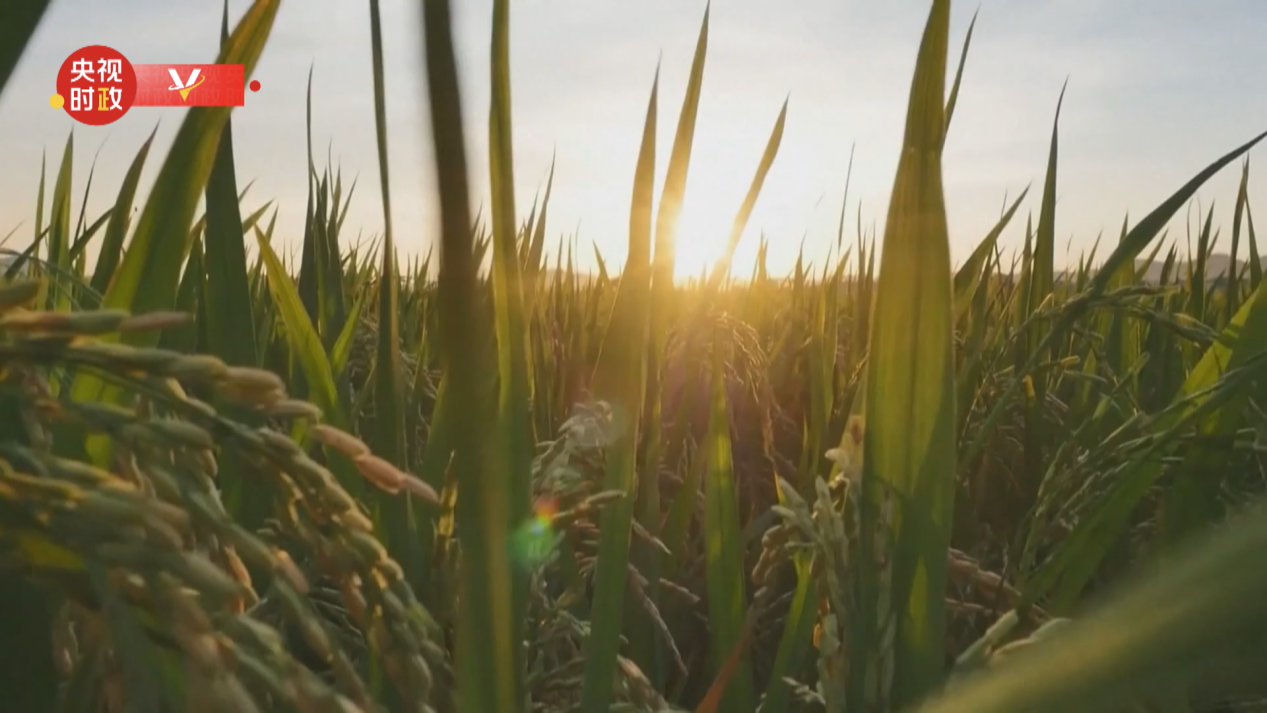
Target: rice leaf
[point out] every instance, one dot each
(303, 337)
(1072, 567)
(59, 229)
(953, 100)
(515, 439)
(1169, 624)
(22, 17)
(148, 275)
(722, 267)
(399, 515)
(727, 600)
(620, 380)
(120, 218)
(487, 652)
(908, 473)
(968, 276)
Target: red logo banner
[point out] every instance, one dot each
(96, 85)
(190, 84)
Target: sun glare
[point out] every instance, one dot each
(702, 233)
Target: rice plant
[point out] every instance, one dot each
(882, 483)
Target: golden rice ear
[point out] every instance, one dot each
(341, 441)
(419, 489)
(154, 321)
(19, 294)
(379, 472)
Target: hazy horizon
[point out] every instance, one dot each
(1157, 90)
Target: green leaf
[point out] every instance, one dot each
(1199, 612)
(343, 345)
(910, 412)
(20, 20)
(1131, 245)
(968, 277)
(1086, 547)
(308, 267)
(59, 228)
(1043, 271)
(620, 380)
(1255, 262)
(798, 629)
(229, 317)
(722, 267)
(1143, 233)
(1234, 272)
(28, 676)
(514, 437)
(953, 100)
(724, 572)
(397, 515)
(487, 653)
(189, 298)
(302, 335)
(645, 651)
(116, 229)
(148, 276)
(230, 323)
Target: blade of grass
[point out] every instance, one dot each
(515, 440)
(147, 277)
(76, 255)
(308, 270)
(1041, 284)
(230, 327)
(184, 337)
(20, 20)
(343, 345)
(1073, 565)
(1234, 272)
(968, 277)
(645, 651)
(305, 343)
(795, 641)
(59, 228)
(727, 601)
(908, 474)
(397, 516)
(620, 380)
(152, 259)
(953, 100)
(486, 649)
(1127, 250)
(1255, 262)
(116, 229)
(230, 319)
(1173, 622)
(722, 267)
(533, 263)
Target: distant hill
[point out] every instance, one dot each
(1216, 267)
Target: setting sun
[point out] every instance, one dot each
(704, 227)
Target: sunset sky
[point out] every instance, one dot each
(1157, 89)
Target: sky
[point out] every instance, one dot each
(1157, 89)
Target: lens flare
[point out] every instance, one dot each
(534, 541)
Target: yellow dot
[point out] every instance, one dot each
(56, 101)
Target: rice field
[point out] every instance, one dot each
(882, 483)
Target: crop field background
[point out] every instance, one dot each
(485, 480)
